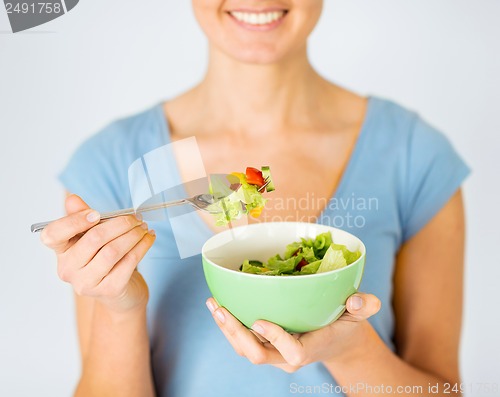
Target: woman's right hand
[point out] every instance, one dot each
(99, 259)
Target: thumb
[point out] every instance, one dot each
(360, 306)
(74, 204)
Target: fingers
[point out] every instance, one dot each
(244, 342)
(83, 251)
(58, 233)
(114, 282)
(291, 352)
(99, 259)
(108, 277)
(88, 261)
(361, 306)
(288, 345)
(111, 254)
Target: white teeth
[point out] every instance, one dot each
(261, 18)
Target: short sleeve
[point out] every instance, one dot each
(94, 172)
(434, 173)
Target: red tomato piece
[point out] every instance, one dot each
(301, 264)
(254, 177)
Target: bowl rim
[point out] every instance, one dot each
(288, 277)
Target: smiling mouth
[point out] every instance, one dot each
(258, 19)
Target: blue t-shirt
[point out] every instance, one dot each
(401, 173)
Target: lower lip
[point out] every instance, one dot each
(259, 28)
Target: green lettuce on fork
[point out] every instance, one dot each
(243, 194)
(304, 257)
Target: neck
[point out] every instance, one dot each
(252, 98)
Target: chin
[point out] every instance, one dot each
(258, 55)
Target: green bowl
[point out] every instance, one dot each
(296, 303)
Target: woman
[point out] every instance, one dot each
(261, 102)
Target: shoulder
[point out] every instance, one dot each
(408, 132)
(407, 135)
(429, 170)
(395, 120)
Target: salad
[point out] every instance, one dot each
(308, 256)
(245, 194)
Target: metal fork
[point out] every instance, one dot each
(200, 201)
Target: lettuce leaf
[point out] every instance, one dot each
(280, 266)
(349, 256)
(321, 244)
(248, 268)
(291, 249)
(333, 259)
(308, 255)
(311, 268)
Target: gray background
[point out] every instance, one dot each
(107, 59)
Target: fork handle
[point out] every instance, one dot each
(38, 227)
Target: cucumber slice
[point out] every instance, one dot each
(266, 174)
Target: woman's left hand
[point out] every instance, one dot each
(268, 343)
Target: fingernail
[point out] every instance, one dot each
(144, 226)
(220, 316)
(93, 216)
(139, 217)
(356, 302)
(152, 233)
(258, 328)
(210, 306)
